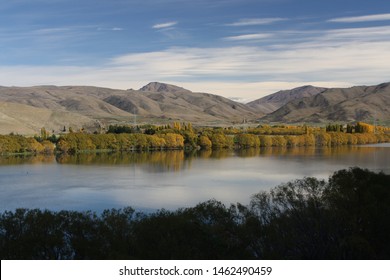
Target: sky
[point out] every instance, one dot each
(240, 49)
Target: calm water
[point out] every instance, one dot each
(168, 180)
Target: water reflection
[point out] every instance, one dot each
(170, 161)
(177, 161)
(168, 179)
(23, 159)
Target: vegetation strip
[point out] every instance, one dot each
(184, 136)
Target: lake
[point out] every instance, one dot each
(170, 180)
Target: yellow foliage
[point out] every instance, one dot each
(205, 142)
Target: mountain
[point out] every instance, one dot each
(158, 101)
(161, 87)
(361, 103)
(26, 109)
(272, 102)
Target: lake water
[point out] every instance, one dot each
(170, 180)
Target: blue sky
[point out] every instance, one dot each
(240, 49)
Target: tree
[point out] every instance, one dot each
(33, 146)
(177, 126)
(63, 146)
(265, 141)
(204, 142)
(48, 147)
(190, 138)
(173, 140)
(156, 142)
(362, 127)
(359, 200)
(44, 134)
(220, 140)
(278, 141)
(291, 140)
(322, 139)
(247, 140)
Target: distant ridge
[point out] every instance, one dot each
(272, 102)
(360, 103)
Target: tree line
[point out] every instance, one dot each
(360, 127)
(345, 217)
(13, 144)
(185, 136)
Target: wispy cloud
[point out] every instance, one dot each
(346, 36)
(365, 18)
(255, 21)
(110, 29)
(340, 57)
(39, 33)
(247, 37)
(164, 25)
(46, 31)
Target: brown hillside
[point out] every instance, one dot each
(83, 105)
(347, 105)
(272, 102)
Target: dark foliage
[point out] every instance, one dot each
(117, 129)
(344, 218)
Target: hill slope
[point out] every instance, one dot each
(360, 103)
(81, 105)
(25, 119)
(272, 102)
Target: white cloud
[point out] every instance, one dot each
(343, 57)
(164, 25)
(362, 34)
(366, 18)
(110, 29)
(255, 21)
(258, 36)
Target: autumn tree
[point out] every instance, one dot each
(362, 127)
(220, 140)
(204, 142)
(265, 141)
(247, 140)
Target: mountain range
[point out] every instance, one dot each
(25, 110)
